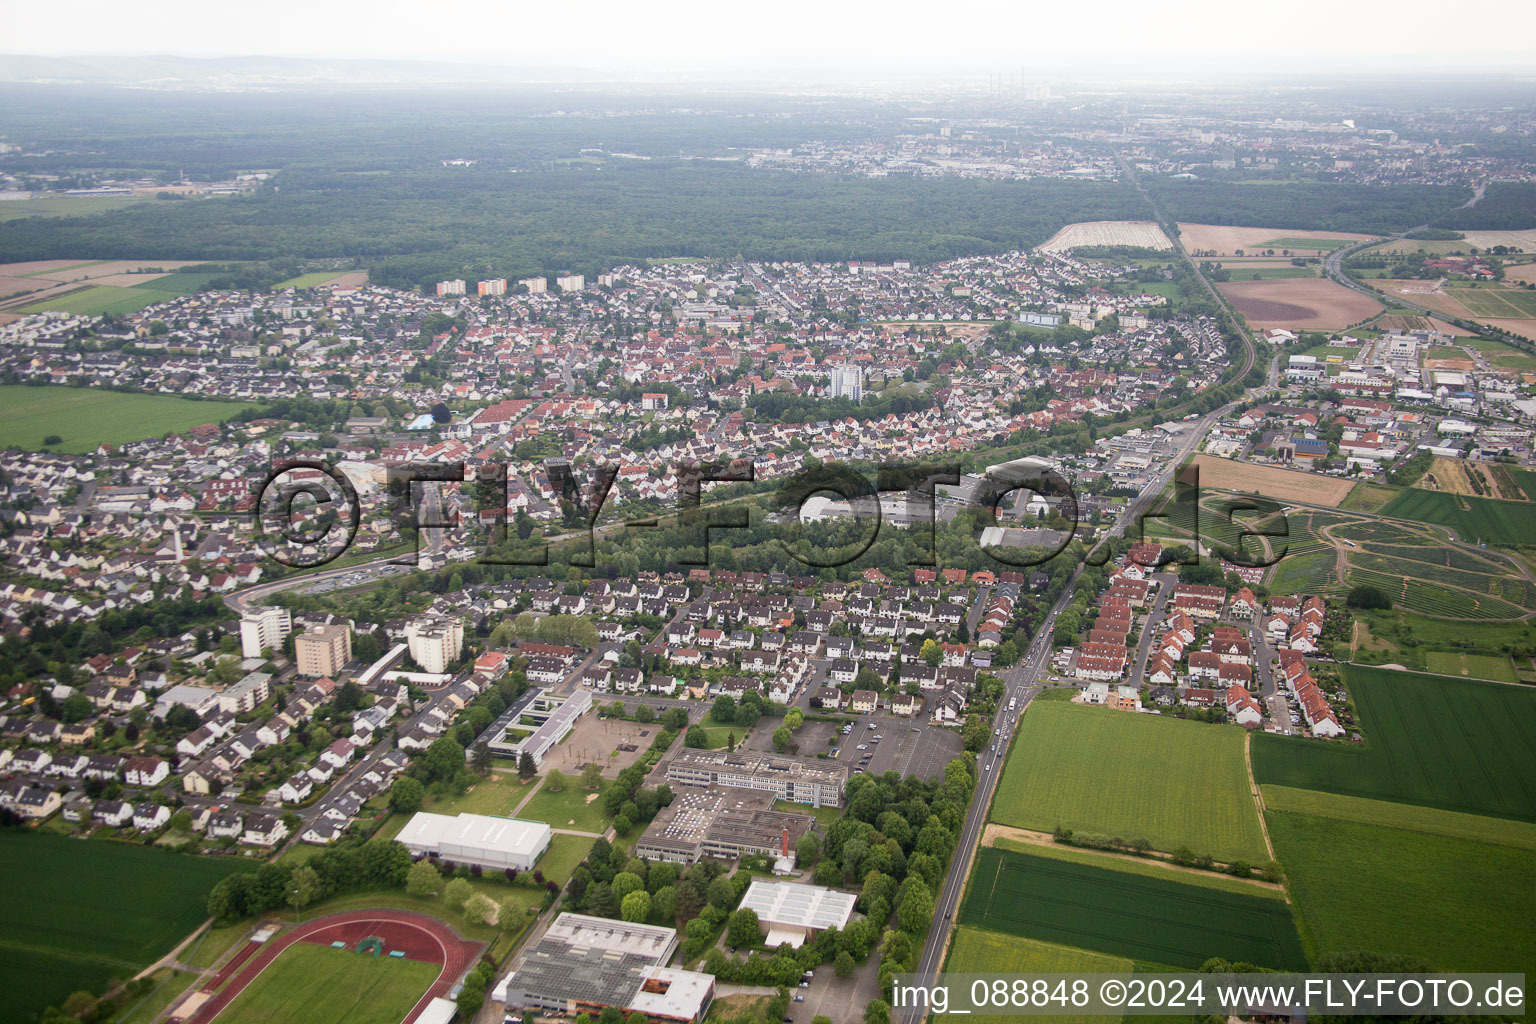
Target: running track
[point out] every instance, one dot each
(418, 936)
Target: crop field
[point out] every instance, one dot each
(978, 951)
(101, 300)
(87, 417)
(1226, 240)
(309, 982)
(1455, 744)
(1151, 867)
(1096, 770)
(1308, 303)
(1474, 519)
(1499, 303)
(1147, 919)
(1459, 903)
(312, 280)
(1432, 598)
(79, 913)
(1411, 817)
(1142, 234)
(1242, 273)
(1270, 482)
(1474, 666)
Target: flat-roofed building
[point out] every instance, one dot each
(798, 780)
(247, 694)
(584, 964)
(553, 717)
(323, 650)
(483, 839)
(724, 823)
(792, 912)
(264, 629)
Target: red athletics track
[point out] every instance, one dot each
(419, 937)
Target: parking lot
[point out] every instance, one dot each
(881, 743)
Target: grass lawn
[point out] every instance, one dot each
(312, 280)
(1368, 498)
(567, 809)
(68, 206)
(308, 982)
(1399, 625)
(1410, 817)
(824, 816)
(1303, 242)
(215, 942)
(87, 417)
(1153, 920)
(169, 985)
(1097, 770)
(979, 951)
(1475, 666)
(564, 853)
(1148, 867)
(1460, 904)
(89, 911)
(719, 733)
(1241, 273)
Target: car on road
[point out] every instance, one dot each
(863, 746)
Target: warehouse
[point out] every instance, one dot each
(794, 913)
(482, 839)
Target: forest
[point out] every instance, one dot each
(1506, 206)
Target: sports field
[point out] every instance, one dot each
(978, 951)
(1456, 744)
(1474, 519)
(1145, 919)
(1172, 782)
(1460, 904)
(79, 913)
(87, 417)
(310, 982)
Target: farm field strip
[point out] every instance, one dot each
(1474, 519)
(979, 951)
(1409, 817)
(1153, 920)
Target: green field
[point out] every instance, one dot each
(1474, 519)
(1460, 904)
(100, 300)
(87, 417)
(978, 951)
(1241, 273)
(181, 282)
(313, 280)
(66, 206)
(1151, 867)
(1302, 242)
(314, 983)
(569, 808)
(1410, 817)
(1509, 303)
(1449, 743)
(80, 913)
(1173, 782)
(1157, 921)
(1474, 666)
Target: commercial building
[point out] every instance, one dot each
(798, 780)
(435, 643)
(552, 718)
(264, 629)
(585, 964)
(793, 913)
(323, 650)
(482, 839)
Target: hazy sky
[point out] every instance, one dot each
(1173, 37)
